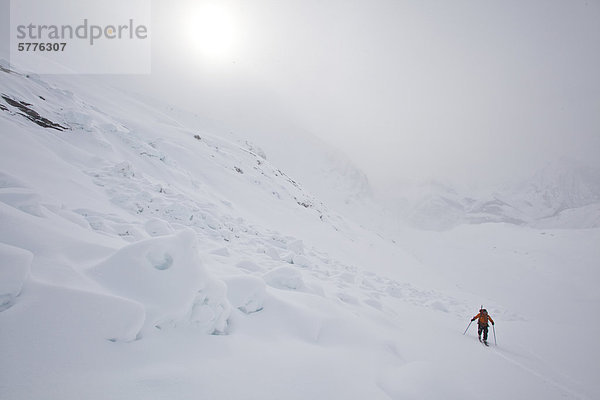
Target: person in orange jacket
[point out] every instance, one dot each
(482, 324)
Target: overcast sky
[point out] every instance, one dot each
(471, 91)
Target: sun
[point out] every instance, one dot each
(211, 30)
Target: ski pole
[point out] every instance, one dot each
(494, 328)
(468, 327)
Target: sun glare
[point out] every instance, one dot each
(211, 31)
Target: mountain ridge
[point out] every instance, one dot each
(563, 194)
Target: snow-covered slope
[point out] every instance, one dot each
(145, 257)
(323, 170)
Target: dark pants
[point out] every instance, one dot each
(482, 328)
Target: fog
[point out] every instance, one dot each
(474, 92)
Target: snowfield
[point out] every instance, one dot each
(142, 257)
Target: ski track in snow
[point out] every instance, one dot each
(567, 392)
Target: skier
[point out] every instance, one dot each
(482, 324)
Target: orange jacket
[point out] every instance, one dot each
(483, 318)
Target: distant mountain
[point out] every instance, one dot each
(562, 185)
(564, 194)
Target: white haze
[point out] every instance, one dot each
(471, 92)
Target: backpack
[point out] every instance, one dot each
(483, 315)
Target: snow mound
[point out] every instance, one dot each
(16, 263)
(222, 251)
(158, 227)
(100, 317)
(297, 246)
(271, 252)
(165, 275)
(287, 278)
(248, 265)
(300, 261)
(246, 293)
